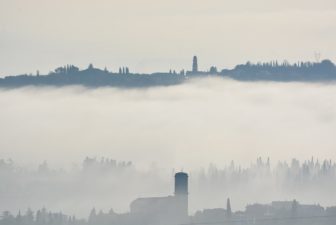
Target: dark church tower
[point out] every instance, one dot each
(181, 183)
(195, 65)
(181, 196)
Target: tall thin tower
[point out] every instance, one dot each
(195, 65)
(181, 196)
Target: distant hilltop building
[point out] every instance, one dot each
(195, 70)
(164, 210)
(195, 65)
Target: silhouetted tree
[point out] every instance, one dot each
(18, 218)
(92, 217)
(228, 209)
(294, 209)
(213, 70)
(29, 217)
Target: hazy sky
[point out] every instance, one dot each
(149, 35)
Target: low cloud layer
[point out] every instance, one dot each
(182, 127)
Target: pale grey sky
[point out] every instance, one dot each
(152, 35)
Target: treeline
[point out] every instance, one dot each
(95, 77)
(104, 165)
(92, 77)
(45, 217)
(40, 217)
(89, 164)
(282, 213)
(276, 71)
(311, 172)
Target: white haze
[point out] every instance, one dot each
(183, 126)
(179, 127)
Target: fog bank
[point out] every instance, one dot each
(184, 127)
(203, 121)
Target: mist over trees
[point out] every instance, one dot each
(40, 217)
(307, 174)
(108, 183)
(311, 173)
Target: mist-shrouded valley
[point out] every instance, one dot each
(106, 184)
(74, 148)
(123, 112)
